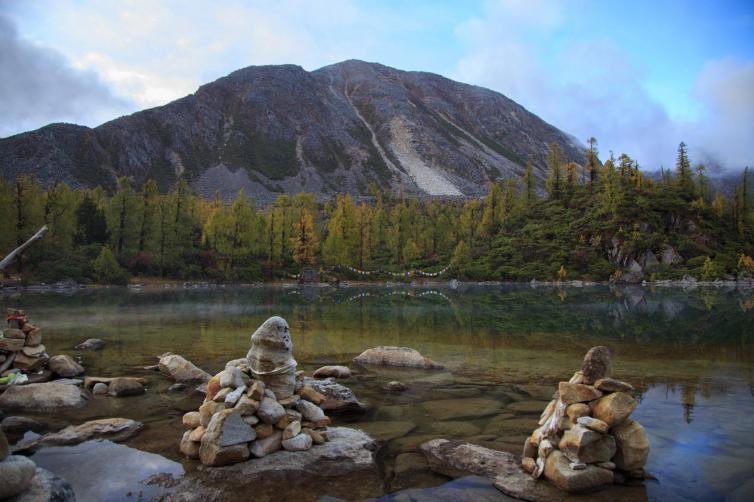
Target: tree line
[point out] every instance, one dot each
(586, 221)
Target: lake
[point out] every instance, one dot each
(689, 353)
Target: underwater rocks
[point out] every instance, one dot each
(91, 344)
(332, 371)
(396, 356)
(64, 366)
(585, 433)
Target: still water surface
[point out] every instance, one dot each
(689, 353)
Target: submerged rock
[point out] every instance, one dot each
(122, 387)
(396, 356)
(42, 397)
(332, 371)
(64, 366)
(338, 397)
(91, 344)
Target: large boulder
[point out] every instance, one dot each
(181, 370)
(632, 446)
(559, 472)
(64, 366)
(396, 356)
(16, 474)
(42, 398)
(345, 467)
(46, 487)
(457, 459)
(113, 429)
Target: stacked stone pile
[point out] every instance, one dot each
(21, 349)
(586, 440)
(257, 405)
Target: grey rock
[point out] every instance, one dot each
(270, 411)
(113, 429)
(46, 487)
(181, 370)
(65, 366)
(91, 344)
(122, 387)
(404, 357)
(302, 442)
(99, 389)
(597, 364)
(309, 411)
(265, 446)
(340, 399)
(16, 473)
(332, 371)
(20, 425)
(42, 398)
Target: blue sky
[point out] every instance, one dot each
(639, 76)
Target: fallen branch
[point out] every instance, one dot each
(8, 259)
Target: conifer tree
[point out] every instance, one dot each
(555, 169)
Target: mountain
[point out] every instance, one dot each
(272, 129)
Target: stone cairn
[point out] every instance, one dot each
(257, 405)
(21, 351)
(21, 344)
(586, 440)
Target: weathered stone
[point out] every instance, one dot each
(15, 334)
(593, 424)
(207, 410)
(246, 405)
(547, 413)
(572, 393)
(270, 411)
(613, 408)
(396, 356)
(578, 436)
(191, 420)
(91, 381)
(308, 393)
(528, 464)
(35, 351)
(41, 398)
(530, 450)
(339, 398)
(292, 430)
(264, 430)
(575, 411)
(265, 446)
(632, 445)
(34, 337)
(181, 370)
(122, 387)
(301, 442)
(99, 389)
(189, 448)
(91, 344)
(219, 397)
(46, 487)
(28, 364)
(558, 471)
(596, 365)
(252, 420)
(16, 473)
(232, 398)
(601, 450)
(317, 438)
(310, 411)
(228, 428)
(284, 422)
(212, 454)
(395, 386)
(606, 465)
(11, 344)
(271, 357)
(111, 429)
(457, 459)
(213, 387)
(577, 466)
(332, 371)
(256, 390)
(233, 377)
(64, 366)
(289, 401)
(613, 385)
(197, 434)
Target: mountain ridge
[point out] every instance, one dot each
(279, 128)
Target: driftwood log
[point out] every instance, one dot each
(8, 259)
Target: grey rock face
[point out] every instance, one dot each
(269, 129)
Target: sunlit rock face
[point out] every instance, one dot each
(271, 357)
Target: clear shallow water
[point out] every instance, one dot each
(690, 354)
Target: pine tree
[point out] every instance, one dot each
(529, 187)
(683, 172)
(305, 241)
(555, 167)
